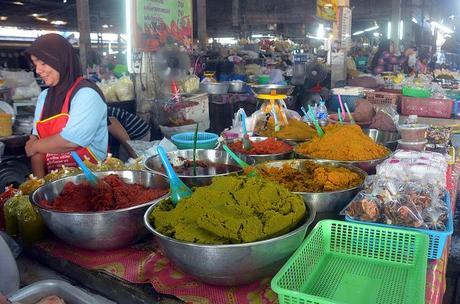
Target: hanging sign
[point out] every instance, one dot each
(162, 22)
(327, 9)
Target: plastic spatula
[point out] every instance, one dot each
(246, 142)
(92, 179)
(239, 161)
(179, 190)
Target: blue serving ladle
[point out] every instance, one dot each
(179, 190)
(92, 179)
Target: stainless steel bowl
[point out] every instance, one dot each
(366, 165)
(215, 156)
(386, 138)
(98, 230)
(234, 264)
(261, 158)
(332, 201)
(268, 88)
(215, 88)
(236, 86)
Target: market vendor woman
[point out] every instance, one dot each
(70, 115)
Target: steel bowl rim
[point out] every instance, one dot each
(308, 221)
(90, 213)
(346, 161)
(263, 155)
(365, 130)
(190, 176)
(343, 165)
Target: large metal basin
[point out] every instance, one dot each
(367, 165)
(98, 230)
(333, 201)
(386, 138)
(267, 89)
(261, 158)
(215, 156)
(234, 264)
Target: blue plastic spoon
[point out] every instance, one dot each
(246, 142)
(92, 179)
(179, 190)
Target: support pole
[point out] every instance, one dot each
(395, 21)
(84, 29)
(235, 13)
(201, 16)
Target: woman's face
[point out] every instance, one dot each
(49, 75)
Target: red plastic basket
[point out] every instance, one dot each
(382, 98)
(427, 107)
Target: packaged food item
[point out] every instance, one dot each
(413, 132)
(31, 184)
(393, 202)
(23, 220)
(439, 135)
(415, 166)
(414, 146)
(6, 195)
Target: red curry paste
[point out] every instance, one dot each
(119, 195)
(268, 146)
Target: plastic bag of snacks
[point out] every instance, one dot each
(393, 202)
(415, 166)
(124, 89)
(23, 220)
(386, 118)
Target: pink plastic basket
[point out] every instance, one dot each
(427, 107)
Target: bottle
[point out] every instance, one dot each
(321, 113)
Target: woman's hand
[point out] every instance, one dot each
(30, 149)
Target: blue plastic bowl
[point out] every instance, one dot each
(333, 103)
(185, 140)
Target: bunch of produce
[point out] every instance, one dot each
(233, 209)
(312, 177)
(347, 143)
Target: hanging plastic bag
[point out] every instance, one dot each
(124, 89)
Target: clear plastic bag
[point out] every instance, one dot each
(124, 89)
(394, 202)
(386, 117)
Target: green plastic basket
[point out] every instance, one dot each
(416, 92)
(340, 262)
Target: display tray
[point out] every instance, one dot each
(39, 290)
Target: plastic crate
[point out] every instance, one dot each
(185, 140)
(437, 238)
(416, 92)
(383, 98)
(427, 107)
(343, 262)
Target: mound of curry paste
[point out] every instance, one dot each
(114, 194)
(231, 210)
